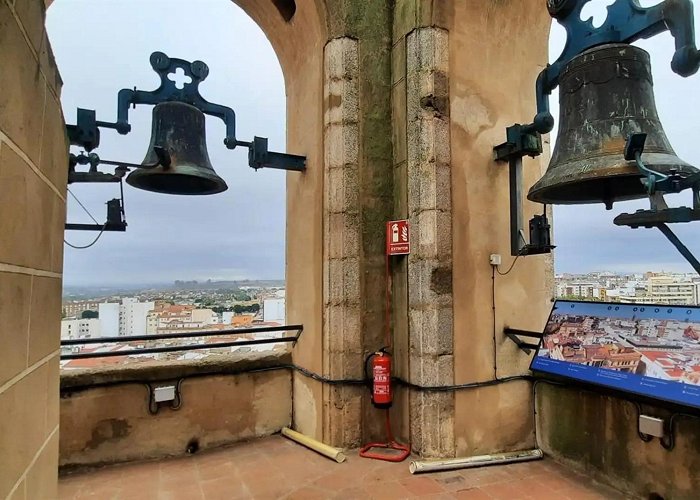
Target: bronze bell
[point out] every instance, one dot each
(178, 129)
(606, 95)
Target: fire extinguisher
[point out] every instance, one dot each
(380, 367)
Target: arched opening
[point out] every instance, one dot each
(186, 250)
(586, 238)
(298, 46)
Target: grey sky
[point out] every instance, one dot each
(240, 233)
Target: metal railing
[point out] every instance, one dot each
(298, 329)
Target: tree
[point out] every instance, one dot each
(89, 315)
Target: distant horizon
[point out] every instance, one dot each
(201, 281)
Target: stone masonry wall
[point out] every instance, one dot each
(33, 170)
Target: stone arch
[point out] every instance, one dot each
(298, 32)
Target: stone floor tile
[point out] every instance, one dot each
(472, 494)
(275, 467)
(421, 485)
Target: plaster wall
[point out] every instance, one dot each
(492, 75)
(112, 424)
(33, 172)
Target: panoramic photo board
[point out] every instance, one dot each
(650, 350)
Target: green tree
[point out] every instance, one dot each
(89, 315)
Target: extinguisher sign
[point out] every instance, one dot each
(398, 239)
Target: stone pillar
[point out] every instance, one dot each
(342, 336)
(430, 349)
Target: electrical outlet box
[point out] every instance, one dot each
(651, 426)
(495, 259)
(166, 393)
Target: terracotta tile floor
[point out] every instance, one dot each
(278, 468)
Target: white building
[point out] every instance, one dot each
(125, 319)
(227, 317)
(108, 313)
(80, 328)
(274, 310)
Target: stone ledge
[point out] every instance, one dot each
(154, 371)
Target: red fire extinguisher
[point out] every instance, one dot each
(380, 363)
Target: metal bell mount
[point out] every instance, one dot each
(606, 98)
(177, 161)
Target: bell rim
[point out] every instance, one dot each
(574, 173)
(218, 185)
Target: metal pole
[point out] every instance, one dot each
(183, 335)
(176, 348)
(680, 246)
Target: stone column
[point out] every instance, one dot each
(430, 262)
(342, 336)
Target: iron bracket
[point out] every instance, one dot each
(627, 21)
(660, 214)
(515, 334)
(260, 157)
(522, 140)
(115, 220)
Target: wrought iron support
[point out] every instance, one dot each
(660, 214)
(680, 246)
(115, 219)
(515, 334)
(522, 140)
(86, 134)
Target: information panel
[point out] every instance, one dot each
(650, 350)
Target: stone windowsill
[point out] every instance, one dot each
(154, 371)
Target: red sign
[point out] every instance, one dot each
(398, 240)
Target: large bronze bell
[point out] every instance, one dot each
(179, 129)
(606, 95)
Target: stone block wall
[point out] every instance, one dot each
(33, 170)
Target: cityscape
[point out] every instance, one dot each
(192, 307)
(186, 308)
(647, 288)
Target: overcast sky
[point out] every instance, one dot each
(240, 233)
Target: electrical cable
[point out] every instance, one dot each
(457, 387)
(316, 377)
(493, 311)
(89, 245)
(522, 237)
